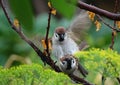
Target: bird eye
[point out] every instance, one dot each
(73, 61)
(56, 35)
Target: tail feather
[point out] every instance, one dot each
(82, 70)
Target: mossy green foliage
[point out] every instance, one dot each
(106, 62)
(32, 75)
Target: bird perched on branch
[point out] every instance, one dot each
(70, 65)
(64, 42)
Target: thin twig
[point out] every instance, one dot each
(113, 35)
(107, 24)
(99, 11)
(47, 33)
(112, 40)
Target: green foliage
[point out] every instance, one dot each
(106, 62)
(65, 7)
(8, 40)
(32, 75)
(23, 12)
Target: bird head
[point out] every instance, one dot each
(68, 64)
(60, 34)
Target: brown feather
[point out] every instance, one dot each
(60, 30)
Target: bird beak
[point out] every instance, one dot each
(61, 37)
(69, 63)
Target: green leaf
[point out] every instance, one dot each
(65, 7)
(22, 10)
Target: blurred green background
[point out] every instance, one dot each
(33, 17)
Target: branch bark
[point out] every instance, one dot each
(77, 79)
(99, 11)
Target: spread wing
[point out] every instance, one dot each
(78, 27)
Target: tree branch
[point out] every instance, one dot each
(99, 11)
(47, 33)
(44, 58)
(79, 80)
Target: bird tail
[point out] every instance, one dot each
(82, 70)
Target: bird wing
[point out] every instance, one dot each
(78, 27)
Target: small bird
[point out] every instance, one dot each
(62, 44)
(69, 65)
(64, 41)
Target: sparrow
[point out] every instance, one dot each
(64, 41)
(70, 65)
